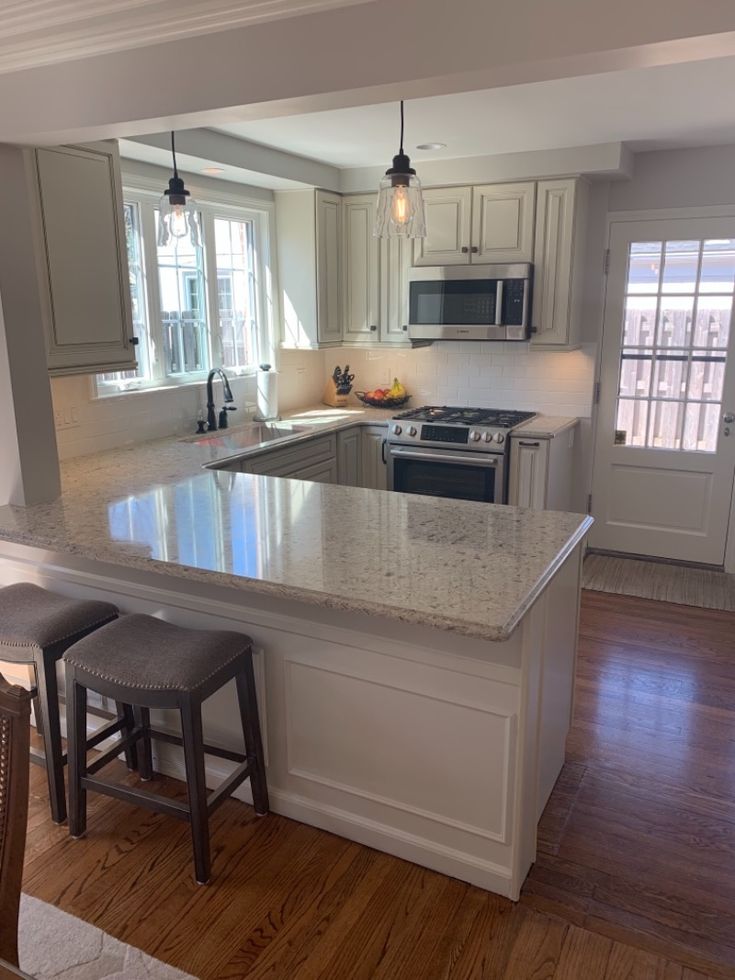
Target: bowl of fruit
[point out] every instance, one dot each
(392, 397)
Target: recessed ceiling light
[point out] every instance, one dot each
(213, 170)
(431, 146)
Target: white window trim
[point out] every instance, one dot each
(146, 193)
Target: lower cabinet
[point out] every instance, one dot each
(349, 457)
(541, 472)
(374, 468)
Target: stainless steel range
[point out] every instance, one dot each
(452, 452)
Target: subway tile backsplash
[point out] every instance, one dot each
(485, 375)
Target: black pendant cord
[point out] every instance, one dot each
(173, 154)
(401, 149)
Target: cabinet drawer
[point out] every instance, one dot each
(276, 461)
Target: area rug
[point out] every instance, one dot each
(54, 945)
(658, 580)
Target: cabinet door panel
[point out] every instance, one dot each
(447, 239)
(349, 458)
(395, 266)
(374, 470)
(528, 473)
(84, 259)
(361, 296)
(502, 222)
(328, 267)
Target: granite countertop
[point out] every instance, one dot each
(469, 567)
(545, 427)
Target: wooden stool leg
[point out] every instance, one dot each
(193, 739)
(145, 750)
(248, 703)
(48, 705)
(76, 708)
(125, 712)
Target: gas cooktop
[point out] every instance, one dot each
(498, 418)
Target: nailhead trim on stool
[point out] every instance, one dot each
(36, 628)
(148, 663)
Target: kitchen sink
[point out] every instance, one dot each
(249, 435)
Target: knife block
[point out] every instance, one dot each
(330, 396)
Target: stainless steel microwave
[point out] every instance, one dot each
(473, 302)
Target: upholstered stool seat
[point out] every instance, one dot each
(36, 627)
(151, 664)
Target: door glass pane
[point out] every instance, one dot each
(701, 427)
(644, 267)
(681, 266)
(670, 375)
(666, 420)
(718, 265)
(707, 376)
(640, 320)
(675, 321)
(713, 321)
(676, 328)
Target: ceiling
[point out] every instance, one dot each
(42, 32)
(686, 104)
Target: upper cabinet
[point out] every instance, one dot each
(395, 266)
(502, 222)
(309, 249)
(559, 256)
(361, 289)
(82, 258)
(489, 223)
(448, 222)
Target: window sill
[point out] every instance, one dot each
(106, 392)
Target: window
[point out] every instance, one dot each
(194, 308)
(678, 308)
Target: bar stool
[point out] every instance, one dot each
(36, 628)
(151, 664)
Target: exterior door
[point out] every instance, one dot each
(665, 441)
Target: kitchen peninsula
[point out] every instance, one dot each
(415, 656)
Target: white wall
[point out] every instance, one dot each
(698, 177)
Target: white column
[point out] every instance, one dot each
(29, 462)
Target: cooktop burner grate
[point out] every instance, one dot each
(497, 417)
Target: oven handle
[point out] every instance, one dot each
(478, 460)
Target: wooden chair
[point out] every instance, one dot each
(15, 721)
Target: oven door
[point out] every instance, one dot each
(447, 473)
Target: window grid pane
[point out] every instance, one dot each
(678, 308)
(183, 306)
(236, 291)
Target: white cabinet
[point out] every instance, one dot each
(82, 259)
(309, 249)
(315, 459)
(448, 224)
(360, 282)
(502, 222)
(487, 223)
(559, 255)
(349, 457)
(395, 267)
(374, 469)
(541, 471)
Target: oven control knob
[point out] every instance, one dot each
(500, 437)
(397, 429)
(412, 430)
(475, 436)
(488, 437)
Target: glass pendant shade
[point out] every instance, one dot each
(178, 217)
(400, 209)
(400, 212)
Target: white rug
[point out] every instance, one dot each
(54, 945)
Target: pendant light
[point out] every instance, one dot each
(400, 212)
(177, 214)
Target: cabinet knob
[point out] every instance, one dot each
(465, 249)
(373, 326)
(134, 341)
(475, 248)
(404, 327)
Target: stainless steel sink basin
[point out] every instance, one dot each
(248, 436)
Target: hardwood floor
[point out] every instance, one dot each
(635, 876)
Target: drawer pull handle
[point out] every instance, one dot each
(534, 445)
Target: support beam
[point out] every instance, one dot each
(29, 463)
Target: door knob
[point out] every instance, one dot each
(728, 418)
